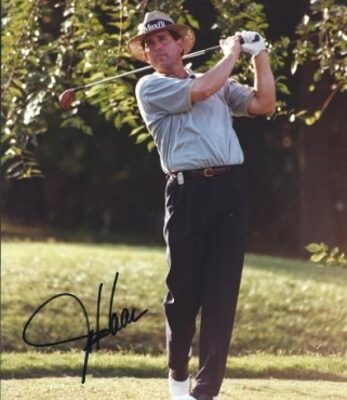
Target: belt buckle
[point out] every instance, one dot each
(208, 172)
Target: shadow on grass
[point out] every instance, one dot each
(159, 370)
(17, 232)
(295, 269)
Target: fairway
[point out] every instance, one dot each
(285, 306)
(289, 341)
(155, 389)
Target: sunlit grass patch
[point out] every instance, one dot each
(285, 306)
(111, 364)
(156, 389)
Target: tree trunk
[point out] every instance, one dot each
(323, 173)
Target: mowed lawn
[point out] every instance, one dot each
(156, 389)
(290, 330)
(285, 306)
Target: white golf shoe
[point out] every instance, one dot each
(179, 388)
(185, 397)
(188, 397)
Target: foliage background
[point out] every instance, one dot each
(98, 181)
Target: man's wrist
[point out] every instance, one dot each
(232, 56)
(259, 53)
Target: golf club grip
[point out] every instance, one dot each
(256, 39)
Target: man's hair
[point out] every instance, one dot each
(174, 34)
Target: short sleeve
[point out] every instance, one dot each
(164, 94)
(238, 97)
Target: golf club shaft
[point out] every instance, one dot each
(148, 67)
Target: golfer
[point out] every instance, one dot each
(190, 117)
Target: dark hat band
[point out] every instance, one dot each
(156, 25)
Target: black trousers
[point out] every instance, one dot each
(204, 229)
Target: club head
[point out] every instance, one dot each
(67, 98)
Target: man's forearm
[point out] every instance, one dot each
(264, 101)
(210, 82)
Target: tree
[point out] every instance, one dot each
(50, 45)
(53, 44)
(322, 41)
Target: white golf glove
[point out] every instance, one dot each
(253, 44)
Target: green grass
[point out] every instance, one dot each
(156, 389)
(285, 306)
(291, 324)
(107, 364)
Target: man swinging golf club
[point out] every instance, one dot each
(190, 118)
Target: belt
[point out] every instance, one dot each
(207, 172)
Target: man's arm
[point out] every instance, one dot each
(264, 100)
(210, 82)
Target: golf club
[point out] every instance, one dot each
(68, 96)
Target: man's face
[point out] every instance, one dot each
(162, 51)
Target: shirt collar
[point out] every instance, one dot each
(189, 71)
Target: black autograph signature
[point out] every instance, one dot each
(115, 324)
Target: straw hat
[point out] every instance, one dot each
(156, 21)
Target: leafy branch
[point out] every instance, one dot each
(51, 45)
(322, 255)
(322, 35)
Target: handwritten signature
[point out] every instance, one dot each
(115, 323)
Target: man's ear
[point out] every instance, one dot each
(181, 45)
(146, 57)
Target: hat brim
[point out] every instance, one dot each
(186, 32)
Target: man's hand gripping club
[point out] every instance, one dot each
(252, 42)
(214, 79)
